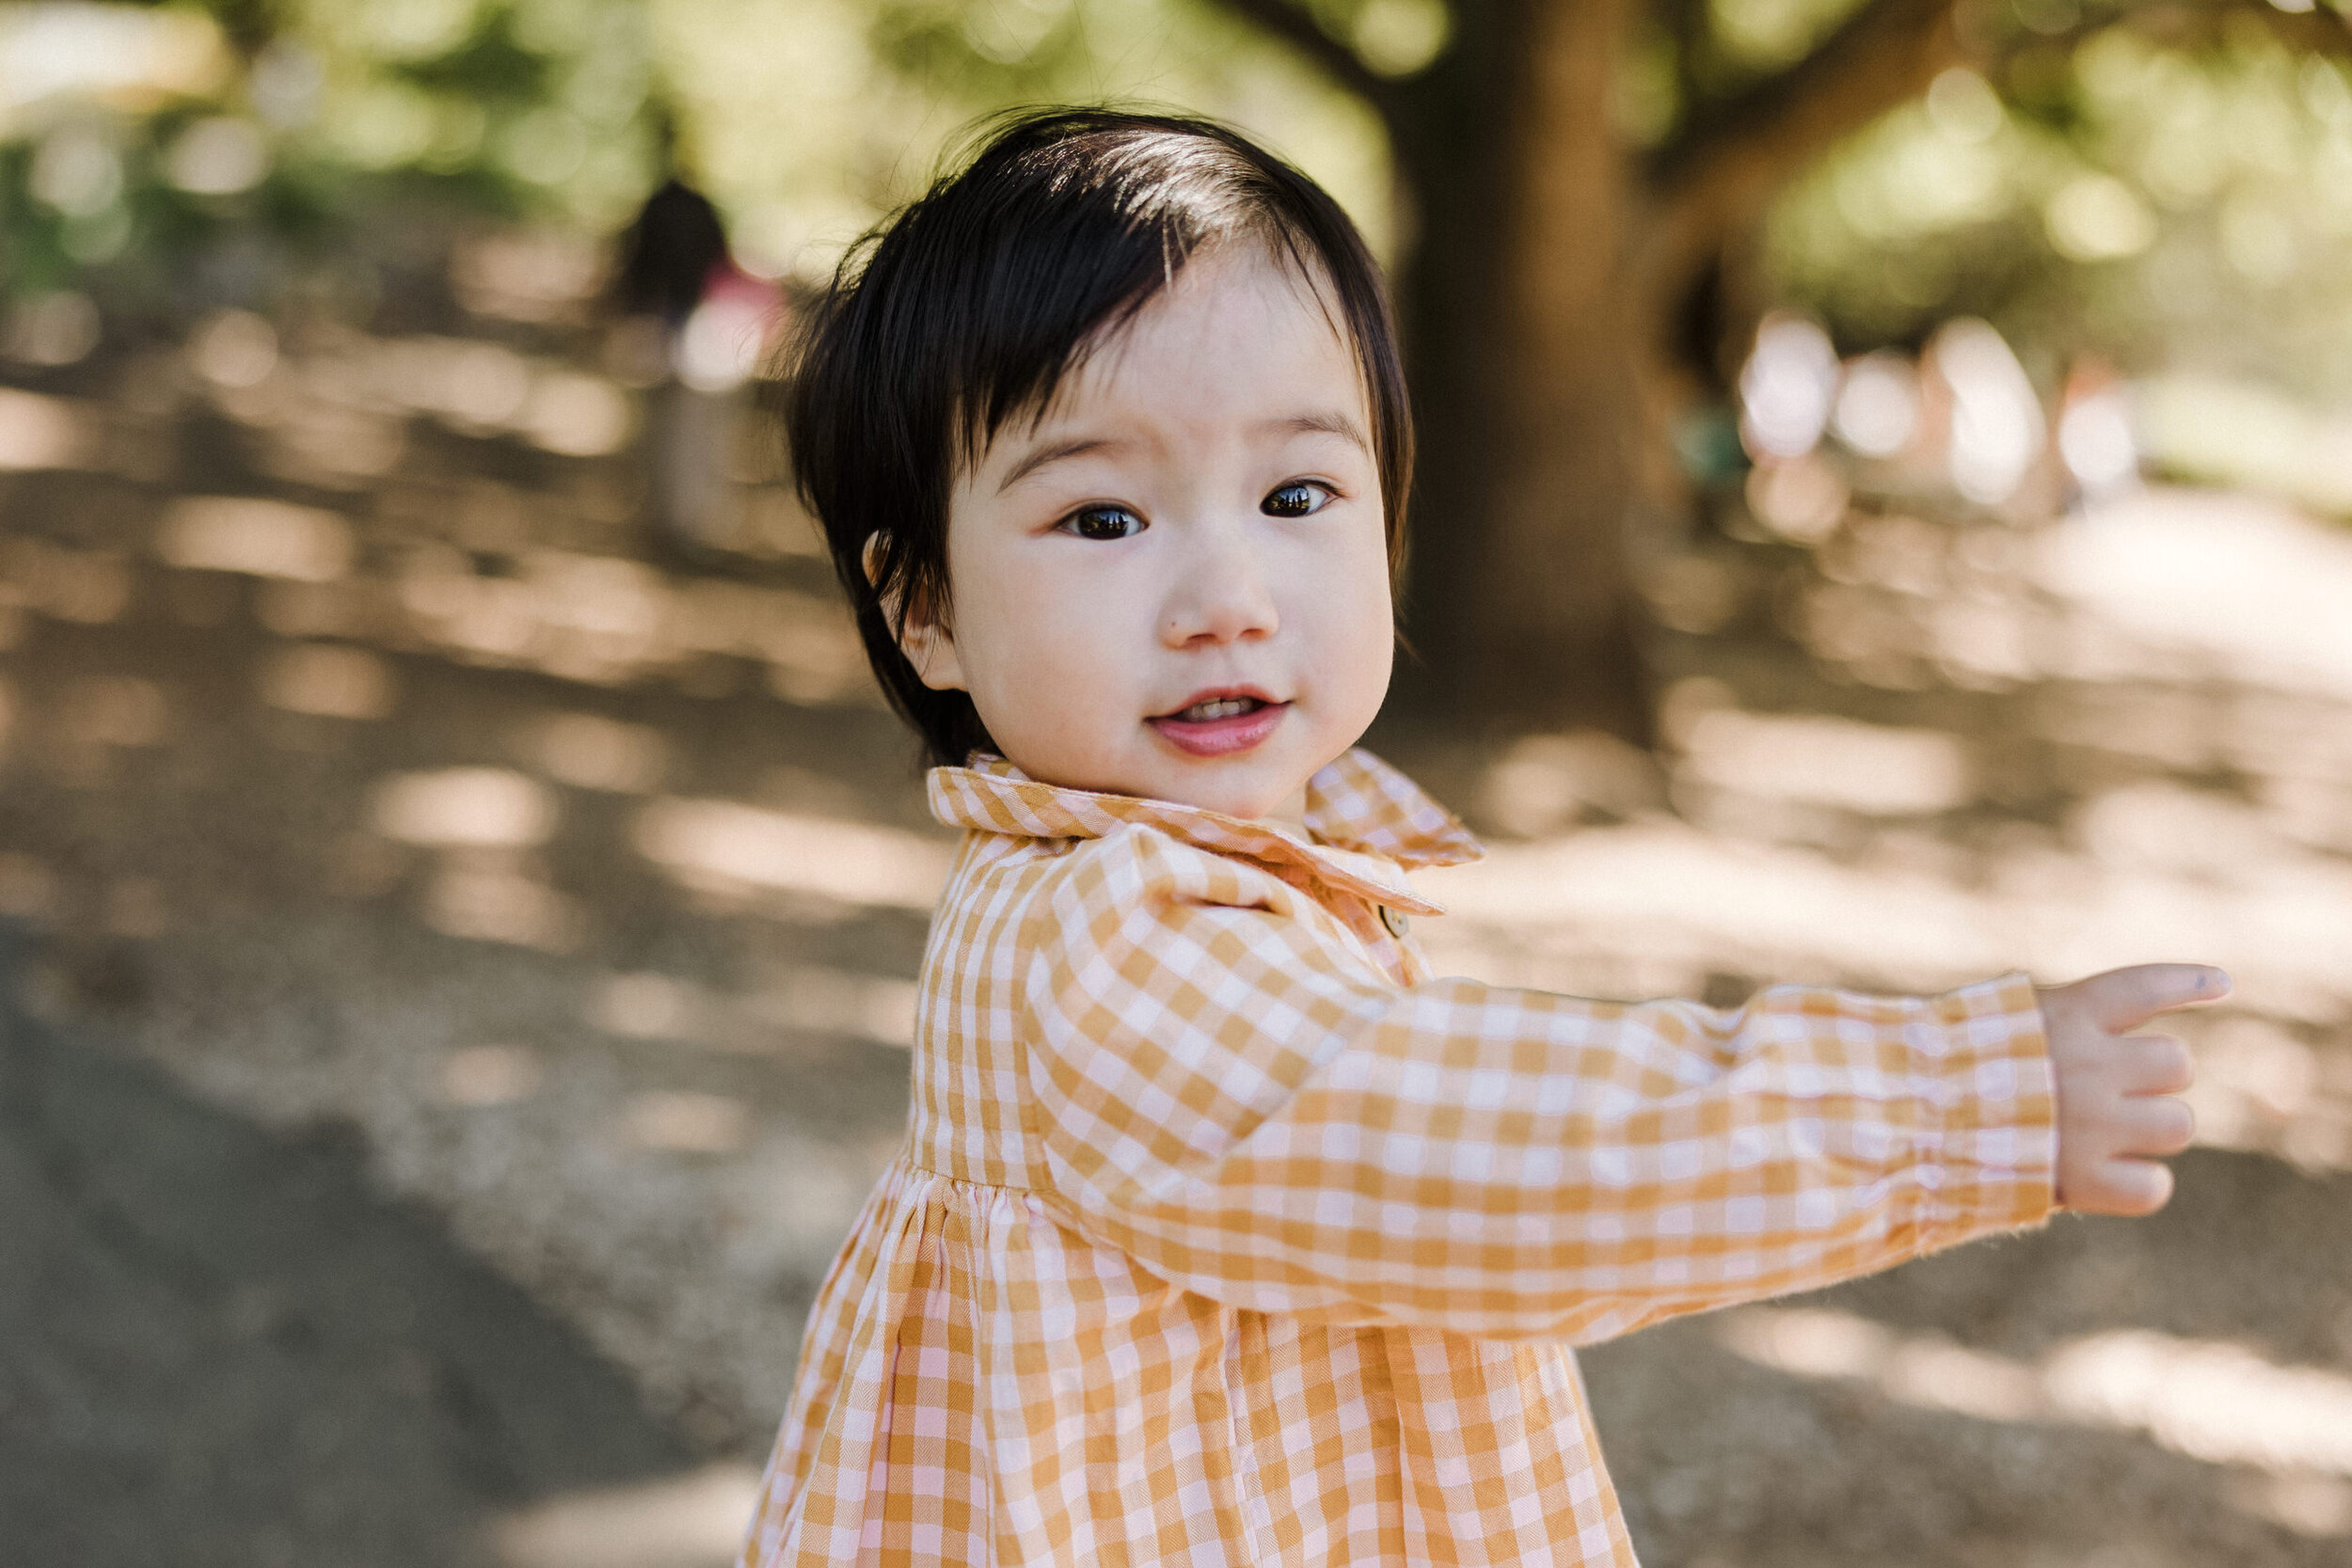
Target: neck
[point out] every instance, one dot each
(1292, 813)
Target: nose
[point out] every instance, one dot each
(1220, 592)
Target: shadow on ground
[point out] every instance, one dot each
(364, 764)
(218, 1345)
(2005, 1396)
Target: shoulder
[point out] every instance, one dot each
(1138, 893)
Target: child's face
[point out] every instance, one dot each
(1176, 584)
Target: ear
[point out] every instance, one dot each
(926, 642)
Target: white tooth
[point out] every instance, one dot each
(1216, 708)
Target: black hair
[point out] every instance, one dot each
(968, 307)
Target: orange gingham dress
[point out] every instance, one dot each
(1224, 1234)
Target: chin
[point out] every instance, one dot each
(1249, 808)
(1246, 798)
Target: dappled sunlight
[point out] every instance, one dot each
(606, 620)
(1877, 408)
(54, 51)
(57, 327)
(534, 275)
(1997, 423)
(234, 348)
(1803, 498)
(591, 752)
(37, 431)
(695, 1520)
(2254, 590)
(2245, 435)
(378, 753)
(482, 884)
(2153, 761)
(1543, 782)
(1676, 902)
(877, 1008)
(260, 537)
(1788, 387)
(464, 807)
(471, 387)
(794, 1000)
(495, 896)
(728, 848)
(85, 587)
(2317, 1505)
(328, 680)
(1874, 769)
(646, 1004)
(485, 1075)
(1654, 908)
(2208, 1399)
(382, 747)
(682, 1121)
(2262, 1086)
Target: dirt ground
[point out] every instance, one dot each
(438, 1067)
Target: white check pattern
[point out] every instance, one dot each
(1225, 1235)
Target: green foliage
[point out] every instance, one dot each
(809, 119)
(804, 118)
(188, 154)
(1752, 38)
(2148, 204)
(529, 107)
(2095, 191)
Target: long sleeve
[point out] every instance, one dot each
(1228, 1091)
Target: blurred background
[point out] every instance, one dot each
(1881, 522)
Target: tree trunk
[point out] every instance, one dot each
(1519, 325)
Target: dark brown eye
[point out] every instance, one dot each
(1300, 498)
(1103, 522)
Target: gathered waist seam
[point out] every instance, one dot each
(913, 1161)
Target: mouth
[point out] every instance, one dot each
(1221, 722)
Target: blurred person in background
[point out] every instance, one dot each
(694, 317)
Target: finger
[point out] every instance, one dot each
(2155, 1124)
(2139, 1186)
(2155, 1064)
(2122, 999)
(2129, 1187)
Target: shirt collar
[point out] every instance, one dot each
(1364, 819)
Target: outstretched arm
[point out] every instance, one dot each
(1230, 1096)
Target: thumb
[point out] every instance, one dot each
(2123, 999)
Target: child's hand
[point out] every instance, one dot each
(2115, 1089)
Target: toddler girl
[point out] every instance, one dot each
(1224, 1232)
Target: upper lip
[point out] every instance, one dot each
(1218, 693)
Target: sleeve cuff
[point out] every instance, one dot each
(1995, 1164)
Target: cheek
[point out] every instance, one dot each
(1045, 654)
(1372, 639)
(1355, 586)
(1341, 600)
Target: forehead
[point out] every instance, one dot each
(1237, 332)
(1232, 304)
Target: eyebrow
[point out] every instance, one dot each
(1322, 422)
(1054, 451)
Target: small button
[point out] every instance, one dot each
(1395, 920)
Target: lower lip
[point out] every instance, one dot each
(1222, 738)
